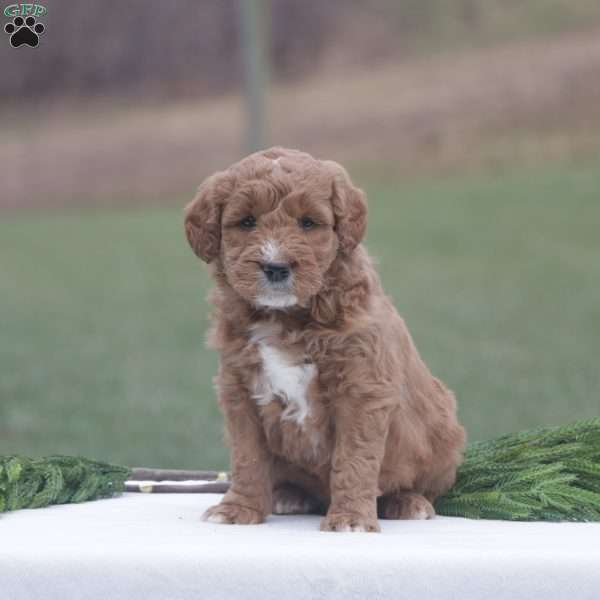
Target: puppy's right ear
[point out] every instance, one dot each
(203, 216)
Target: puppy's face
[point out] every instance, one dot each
(276, 248)
(275, 225)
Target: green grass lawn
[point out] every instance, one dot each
(102, 315)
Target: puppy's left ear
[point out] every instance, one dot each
(202, 216)
(349, 208)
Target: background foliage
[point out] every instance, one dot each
(474, 126)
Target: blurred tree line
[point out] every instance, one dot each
(92, 47)
(170, 49)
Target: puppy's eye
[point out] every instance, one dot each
(248, 222)
(307, 223)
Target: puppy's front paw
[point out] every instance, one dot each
(232, 514)
(347, 522)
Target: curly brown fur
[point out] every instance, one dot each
(325, 397)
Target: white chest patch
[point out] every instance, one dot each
(288, 381)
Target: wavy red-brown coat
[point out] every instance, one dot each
(381, 431)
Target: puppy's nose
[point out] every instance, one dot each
(276, 272)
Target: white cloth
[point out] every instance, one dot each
(152, 546)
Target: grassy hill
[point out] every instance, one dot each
(103, 315)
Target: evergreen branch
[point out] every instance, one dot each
(35, 483)
(542, 474)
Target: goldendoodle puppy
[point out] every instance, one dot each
(328, 406)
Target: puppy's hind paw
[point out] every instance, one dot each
(291, 500)
(232, 514)
(405, 505)
(345, 522)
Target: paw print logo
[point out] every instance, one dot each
(24, 31)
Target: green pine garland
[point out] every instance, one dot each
(29, 483)
(550, 474)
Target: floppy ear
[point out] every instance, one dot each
(349, 208)
(203, 216)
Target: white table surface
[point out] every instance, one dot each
(155, 546)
